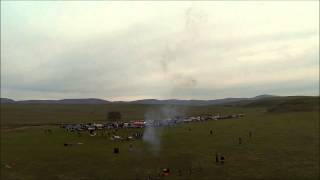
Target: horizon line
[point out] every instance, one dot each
(152, 98)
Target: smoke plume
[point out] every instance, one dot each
(159, 117)
(173, 51)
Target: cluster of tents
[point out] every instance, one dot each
(180, 120)
(96, 126)
(144, 123)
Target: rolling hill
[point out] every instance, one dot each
(62, 101)
(143, 101)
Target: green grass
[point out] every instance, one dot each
(284, 145)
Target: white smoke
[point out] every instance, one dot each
(152, 136)
(194, 18)
(155, 118)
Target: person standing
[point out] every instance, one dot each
(222, 159)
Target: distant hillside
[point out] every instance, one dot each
(224, 101)
(63, 101)
(296, 104)
(264, 96)
(270, 102)
(83, 101)
(6, 100)
(186, 102)
(281, 103)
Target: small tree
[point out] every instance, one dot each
(114, 116)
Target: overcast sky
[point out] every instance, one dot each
(137, 50)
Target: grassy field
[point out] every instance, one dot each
(284, 145)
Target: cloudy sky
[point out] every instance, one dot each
(135, 50)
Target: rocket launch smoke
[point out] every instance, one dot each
(152, 134)
(193, 19)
